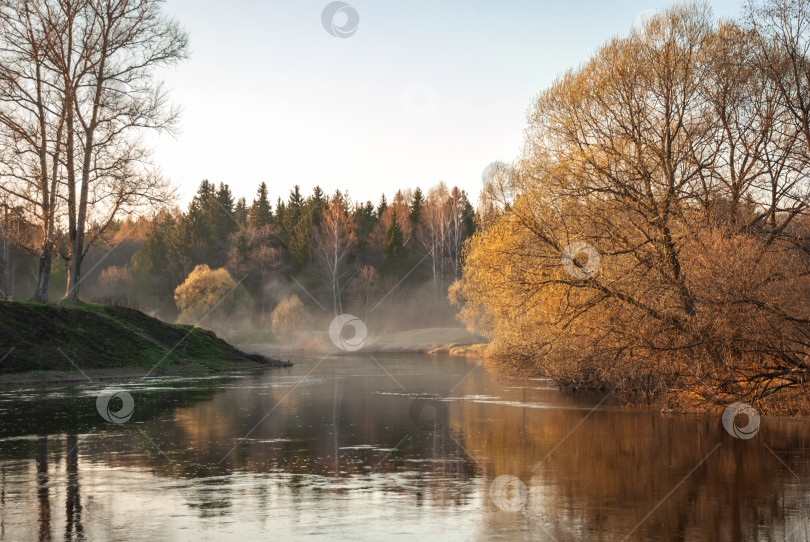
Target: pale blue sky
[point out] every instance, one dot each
(423, 91)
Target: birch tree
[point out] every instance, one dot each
(333, 242)
(32, 123)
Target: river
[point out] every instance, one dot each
(385, 447)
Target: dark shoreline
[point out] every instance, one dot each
(135, 373)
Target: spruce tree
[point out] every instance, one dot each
(260, 212)
(317, 204)
(299, 247)
(365, 219)
(417, 202)
(395, 254)
(382, 207)
(224, 221)
(240, 212)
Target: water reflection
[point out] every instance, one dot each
(401, 446)
(73, 502)
(43, 491)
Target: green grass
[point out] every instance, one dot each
(39, 337)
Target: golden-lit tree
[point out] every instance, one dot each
(657, 239)
(207, 291)
(290, 317)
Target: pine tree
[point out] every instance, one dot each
(293, 213)
(240, 212)
(317, 204)
(296, 200)
(260, 212)
(395, 254)
(299, 247)
(195, 232)
(417, 202)
(243, 246)
(365, 219)
(223, 218)
(382, 207)
(200, 211)
(281, 209)
(469, 218)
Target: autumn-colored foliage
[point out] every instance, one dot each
(289, 317)
(207, 291)
(657, 239)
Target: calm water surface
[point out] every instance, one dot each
(390, 447)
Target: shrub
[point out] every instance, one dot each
(207, 292)
(289, 317)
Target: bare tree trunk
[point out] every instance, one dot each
(5, 291)
(74, 265)
(77, 242)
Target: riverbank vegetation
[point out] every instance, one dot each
(239, 265)
(653, 236)
(79, 337)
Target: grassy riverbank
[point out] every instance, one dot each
(82, 337)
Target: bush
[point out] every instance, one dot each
(209, 292)
(289, 317)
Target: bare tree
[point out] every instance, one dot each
(77, 90)
(457, 230)
(333, 241)
(109, 54)
(32, 120)
(782, 41)
(659, 242)
(365, 287)
(434, 231)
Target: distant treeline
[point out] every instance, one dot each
(329, 251)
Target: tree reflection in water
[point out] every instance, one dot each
(349, 453)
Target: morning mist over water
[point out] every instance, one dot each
(334, 271)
